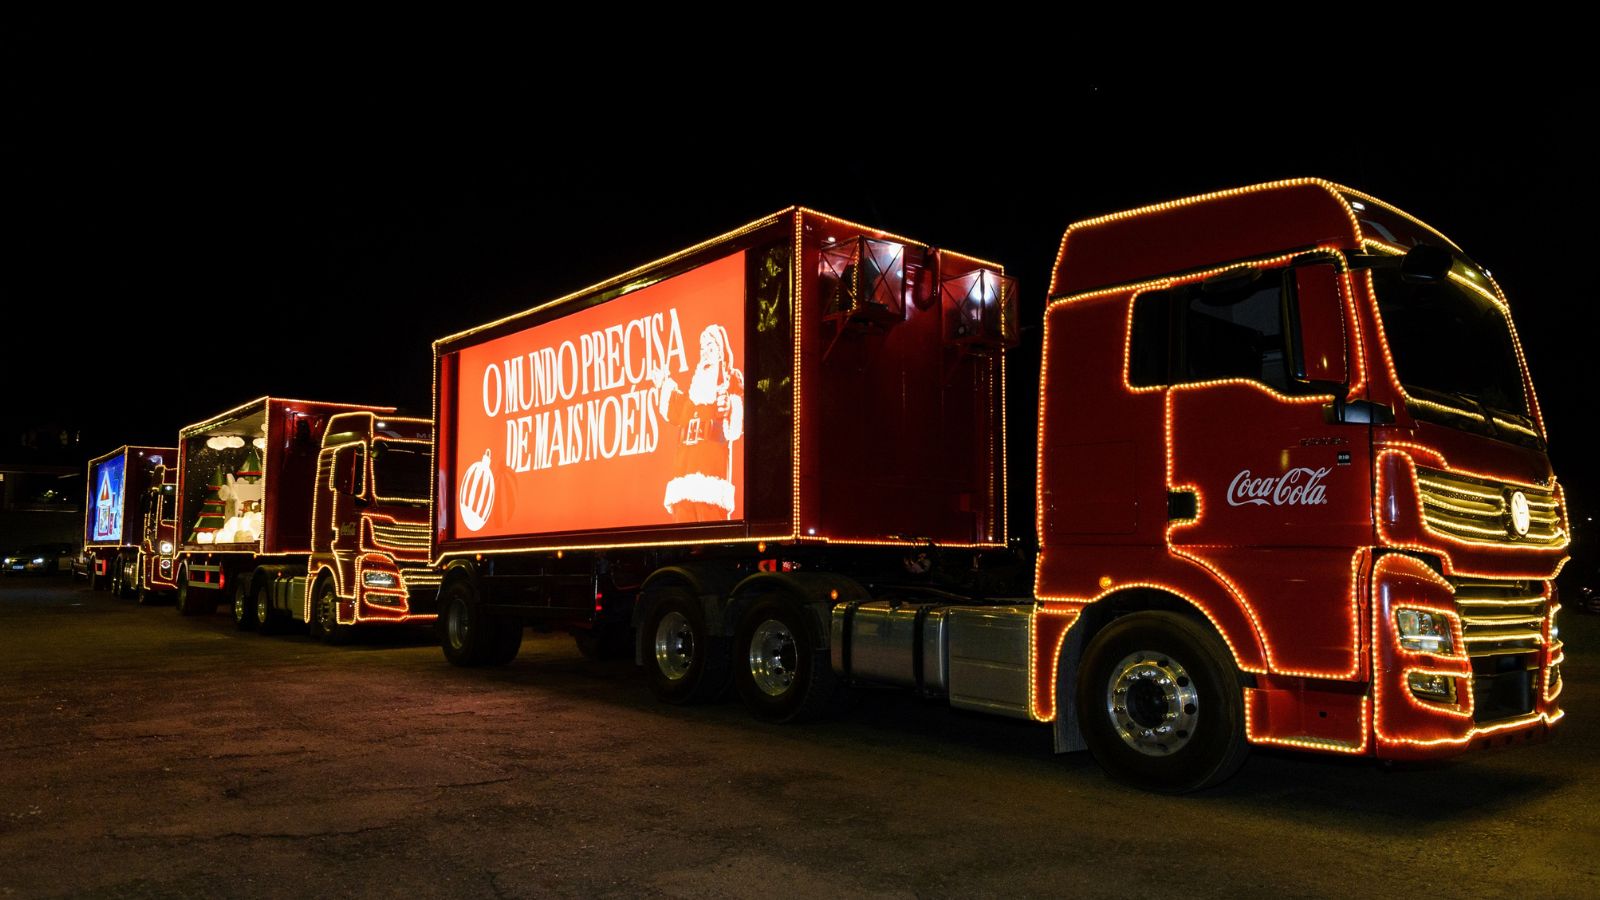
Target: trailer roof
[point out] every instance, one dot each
(262, 402)
(125, 448)
(740, 231)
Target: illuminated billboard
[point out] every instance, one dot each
(626, 414)
(106, 491)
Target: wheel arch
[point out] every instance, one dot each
(1090, 622)
(814, 592)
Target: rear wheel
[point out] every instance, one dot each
(1161, 703)
(781, 668)
(472, 637)
(269, 620)
(603, 642)
(127, 581)
(685, 663)
(244, 612)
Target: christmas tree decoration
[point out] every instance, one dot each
(212, 511)
(243, 496)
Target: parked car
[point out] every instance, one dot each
(40, 559)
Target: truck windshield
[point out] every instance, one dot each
(1453, 352)
(400, 471)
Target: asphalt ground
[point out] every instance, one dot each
(149, 755)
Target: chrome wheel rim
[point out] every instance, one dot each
(263, 608)
(674, 646)
(772, 657)
(1152, 703)
(238, 606)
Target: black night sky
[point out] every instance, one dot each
(181, 238)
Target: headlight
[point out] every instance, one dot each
(38, 560)
(166, 548)
(379, 579)
(1423, 631)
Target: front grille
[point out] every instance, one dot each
(420, 578)
(1476, 509)
(1502, 623)
(400, 535)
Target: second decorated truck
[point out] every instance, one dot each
(294, 511)
(1291, 482)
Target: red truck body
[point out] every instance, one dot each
(282, 510)
(1292, 486)
(128, 530)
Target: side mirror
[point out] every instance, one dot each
(1316, 316)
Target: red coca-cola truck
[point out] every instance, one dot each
(129, 533)
(301, 511)
(1292, 487)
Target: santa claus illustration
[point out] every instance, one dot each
(706, 421)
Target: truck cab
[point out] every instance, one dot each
(1298, 420)
(369, 536)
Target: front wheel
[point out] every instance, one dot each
(324, 616)
(1161, 703)
(781, 667)
(194, 602)
(472, 637)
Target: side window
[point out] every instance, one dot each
(1219, 329)
(347, 475)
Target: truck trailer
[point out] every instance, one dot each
(129, 532)
(302, 511)
(1292, 486)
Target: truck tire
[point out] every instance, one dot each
(686, 664)
(123, 587)
(472, 637)
(267, 619)
(97, 582)
(780, 667)
(193, 602)
(1161, 704)
(244, 612)
(603, 642)
(325, 616)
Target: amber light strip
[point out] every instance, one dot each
(1328, 745)
(624, 278)
(1333, 189)
(1046, 713)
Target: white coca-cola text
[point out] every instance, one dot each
(1296, 487)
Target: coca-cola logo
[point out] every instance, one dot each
(1297, 487)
